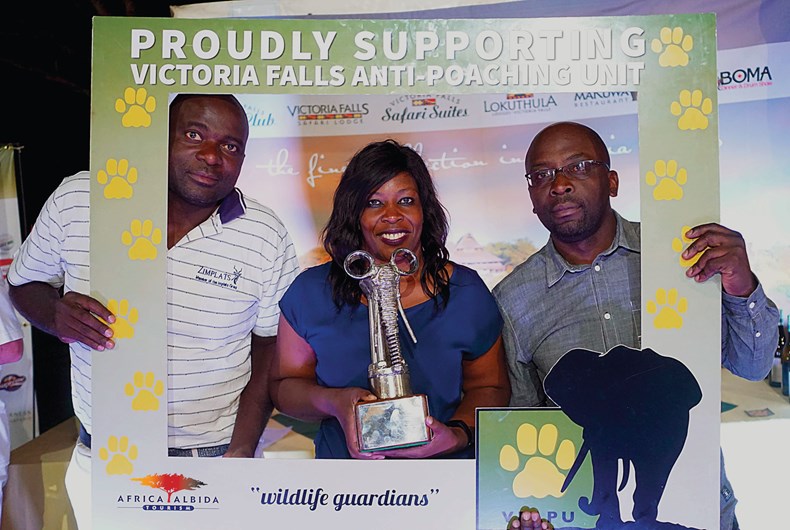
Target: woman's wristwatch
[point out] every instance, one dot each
(461, 424)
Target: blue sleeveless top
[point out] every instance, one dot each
(464, 330)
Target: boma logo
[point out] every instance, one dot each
(745, 77)
(12, 382)
(171, 498)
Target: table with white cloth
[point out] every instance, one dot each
(756, 450)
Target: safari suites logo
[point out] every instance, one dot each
(745, 77)
(170, 498)
(410, 107)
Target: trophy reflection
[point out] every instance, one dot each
(397, 418)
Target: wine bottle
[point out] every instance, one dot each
(775, 377)
(786, 358)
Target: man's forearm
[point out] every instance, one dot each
(255, 408)
(73, 317)
(749, 334)
(36, 302)
(255, 405)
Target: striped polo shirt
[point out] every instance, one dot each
(225, 279)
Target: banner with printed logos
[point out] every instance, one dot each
(299, 146)
(752, 40)
(468, 95)
(16, 379)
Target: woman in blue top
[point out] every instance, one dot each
(386, 200)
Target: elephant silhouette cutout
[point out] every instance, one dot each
(633, 405)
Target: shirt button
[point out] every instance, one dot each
(607, 316)
(757, 334)
(751, 305)
(597, 268)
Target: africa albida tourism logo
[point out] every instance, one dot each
(172, 484)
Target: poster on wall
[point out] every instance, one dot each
(468, 95)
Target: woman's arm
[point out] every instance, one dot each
(485, 383)
(296, 393)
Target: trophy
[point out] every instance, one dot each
(397, 418)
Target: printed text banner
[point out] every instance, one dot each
(139, 64)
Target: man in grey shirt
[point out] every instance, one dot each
(582, 289)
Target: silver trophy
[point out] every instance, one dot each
(397, 418)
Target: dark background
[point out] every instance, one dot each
(45, 79)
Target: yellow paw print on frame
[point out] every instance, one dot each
(540, 477)
(147, 389)
(668, 309)
(670, 180)
(120, 177)
(692, 109)
(673, 47)
(136, 107)
(122, 455)
(679, 244)
(142, 238)
(125, 319)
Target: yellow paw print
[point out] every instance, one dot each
(136, 107)
(671, 307)
(147, 390)
(679, 244)
(673, 47)
(692, 109)
(120, 177)
(122, 455)
(540, 477)
(142, 238)
(670, 180)
(125, 319)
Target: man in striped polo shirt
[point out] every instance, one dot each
(220, 339)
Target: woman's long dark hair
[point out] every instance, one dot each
(367, 171)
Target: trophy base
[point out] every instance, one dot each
(392, 423)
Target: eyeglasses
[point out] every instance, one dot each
(578, 170)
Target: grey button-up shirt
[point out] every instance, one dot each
(551, 306)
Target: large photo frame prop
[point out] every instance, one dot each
(138, 64)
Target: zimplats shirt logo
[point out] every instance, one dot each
(218, 277)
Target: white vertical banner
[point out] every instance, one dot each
(16, 379)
